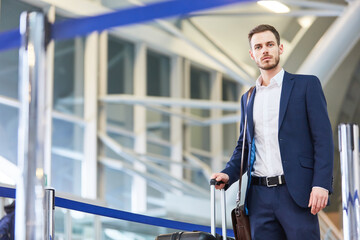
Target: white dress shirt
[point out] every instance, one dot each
(266, 124)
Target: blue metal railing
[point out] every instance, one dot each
(121, 215)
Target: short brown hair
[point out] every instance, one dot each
(263, 28)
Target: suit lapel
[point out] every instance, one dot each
(287, 86)
(250, 107)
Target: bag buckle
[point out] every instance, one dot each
(237, 208)
(268, 184)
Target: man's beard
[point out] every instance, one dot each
(268, 67)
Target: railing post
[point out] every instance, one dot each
(350, 180)
(30, 219)
(49, 213)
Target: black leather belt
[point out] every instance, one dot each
(268, 181)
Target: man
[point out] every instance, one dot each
(288, 146)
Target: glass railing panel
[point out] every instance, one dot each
(113, 229)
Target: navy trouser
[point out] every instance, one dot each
(275, 216)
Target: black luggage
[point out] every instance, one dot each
(186, 236)
(196, 235)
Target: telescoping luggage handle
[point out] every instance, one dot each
(213, 182)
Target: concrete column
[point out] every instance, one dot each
(138, 193)
(216, 130)
(102, 91)
(334, 45)
(89, 163)
(176, 127)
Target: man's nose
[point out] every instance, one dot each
(265, 50)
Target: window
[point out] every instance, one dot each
(68, 98)
(157, 123)
(120, 81)
(230, 130)
(10, 11)
(158, 74)
(115, 183)
(200, 89)
(158, 84)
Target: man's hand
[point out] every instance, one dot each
(318, 199)
(220, 177)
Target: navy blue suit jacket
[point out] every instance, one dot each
(305, 138)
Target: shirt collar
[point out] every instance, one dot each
(277, 79)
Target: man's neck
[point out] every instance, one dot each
(267, 75)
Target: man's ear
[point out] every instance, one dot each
(281, 49)
(251, 55)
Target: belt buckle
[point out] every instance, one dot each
(268, 184)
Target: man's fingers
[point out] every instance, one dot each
(220, 177)
(324, 202)
(318, 200)
(221, 186)
(315, 206)
(310, 200)
(326, 199)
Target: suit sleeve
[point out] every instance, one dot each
(232, 167)
(321, 133)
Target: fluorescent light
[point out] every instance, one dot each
(275, 6)
(306, 21)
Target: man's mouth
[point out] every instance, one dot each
(266, 58)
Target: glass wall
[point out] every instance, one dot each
(116, 183)
(9, 68)
(10, 11)
(230, 130)
(157, 122)
(158, 84)
(120, 81)
(71, 224)
(117, 188)
(200, 86)
(68, 99)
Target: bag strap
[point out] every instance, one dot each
(243, 144)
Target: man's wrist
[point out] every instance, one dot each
(320, 188)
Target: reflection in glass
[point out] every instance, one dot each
(197, 176)
(158, 84)
(200, 89)
(69, 76)
(82, 226)
(66, 174)
(120, 81)
(113, 229)
(230, 130)
(10, 11)
(67, 135)
(9, 122)
(9, 69)
(117, 188)
(60, 223)
(120, 115)
(158, 125)
(120, 66)
(158, 74)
